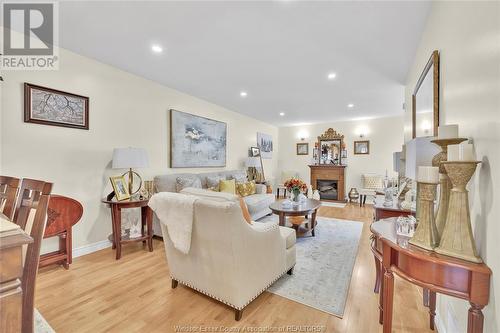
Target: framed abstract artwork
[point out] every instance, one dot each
(196, 142)
(254, 152)
(265, 144)
(48, 106)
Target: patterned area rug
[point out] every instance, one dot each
(323, 271)
(41, 325)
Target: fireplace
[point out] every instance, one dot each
(328, 189)
(329, 178)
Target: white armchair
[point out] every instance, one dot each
(372, 184)
(230, 260)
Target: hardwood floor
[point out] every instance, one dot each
(99, 294)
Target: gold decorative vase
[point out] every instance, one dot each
(457, 239)
(426, 235)
(444, 180)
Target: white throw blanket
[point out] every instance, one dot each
(176, 212)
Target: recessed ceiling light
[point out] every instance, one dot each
(331, 76)
(156, 48)
(243, 94)
(350, 105)
(282, 114)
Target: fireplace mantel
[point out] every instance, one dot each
(329, 172)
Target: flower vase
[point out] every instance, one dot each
(295, 197)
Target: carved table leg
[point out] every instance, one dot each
(117, 221)
(282, 219)
(475, 319)
(388, 290)
(425, 297)
(143, 222)
(432, 309)
(113, 238)
(381, 303)
(378, 270)
(149, 221)
(313, 222)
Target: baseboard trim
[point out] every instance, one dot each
(89, 248)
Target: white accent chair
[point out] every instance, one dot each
(230, 260)
(372, 184)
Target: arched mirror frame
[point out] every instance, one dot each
(331, 135)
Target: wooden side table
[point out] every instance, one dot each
(432, 271)
(116, 219)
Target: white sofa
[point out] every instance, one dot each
(258, 203)
(230, 260)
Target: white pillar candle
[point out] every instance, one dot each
(466, 152)
(428, 174)
(448, 132)
(453, 153)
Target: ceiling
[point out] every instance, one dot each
(279, 52)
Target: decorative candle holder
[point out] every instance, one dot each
(457, 239)
(426, 235)
(444, 180)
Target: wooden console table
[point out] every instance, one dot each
(384, 212)
(432, 271)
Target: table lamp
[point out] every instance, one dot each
(130, 158)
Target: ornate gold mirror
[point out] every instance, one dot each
(425, 100)
(330, 145)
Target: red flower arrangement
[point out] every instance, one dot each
(295, 186)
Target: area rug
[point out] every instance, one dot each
(333, 204)
(41, 325)
(323, 271)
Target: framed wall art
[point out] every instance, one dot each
(196, 142)
(48, 106)
(265, 144)
(302, 148)
(362, 147)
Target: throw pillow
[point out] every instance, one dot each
(244, 210)
(245, 189)
(228, 186)
(373, 182)
(213, 182)
(182, 182)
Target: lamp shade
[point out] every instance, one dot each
(419, 152)
(252, 162)
(396, 161)
(125, 158)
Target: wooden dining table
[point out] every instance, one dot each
(12, 239)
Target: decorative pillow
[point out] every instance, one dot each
(373, 182)
(213, 182)
(182, 182)
(244, 210)
(245, 189)
(228, 186)
(239, 176)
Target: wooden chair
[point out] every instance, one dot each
(30, 215)
(8, 193)
(63, 213)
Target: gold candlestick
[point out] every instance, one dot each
(444, 180)
(457, 239)
(426, 235)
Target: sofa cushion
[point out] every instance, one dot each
(212, 182)
(238, 175)
(182, 182)
(207, 194)
(289, 235)
(245, 189)
(258, 202)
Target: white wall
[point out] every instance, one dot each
(385, 136)
(125, 110)
(467, 34)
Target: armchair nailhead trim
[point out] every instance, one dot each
(227, 303)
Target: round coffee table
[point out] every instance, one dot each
(308, 207)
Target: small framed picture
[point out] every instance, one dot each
(303, 148)
(255, 151)
(120, 187)
(343, 154)
(362, 147)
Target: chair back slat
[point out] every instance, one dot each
(34, 195)
(9, 186)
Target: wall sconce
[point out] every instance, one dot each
(302, 135)
(362, 132)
